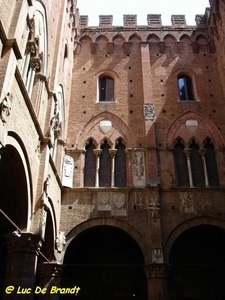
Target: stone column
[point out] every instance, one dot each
(157, 281)
(23, 250)
(187, 152)
(49, 278)
(112, 154)
(97, 153)
(202, 153)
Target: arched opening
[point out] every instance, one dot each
(106, 263)
(14, 199)
(197, 261)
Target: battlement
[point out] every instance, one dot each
(153, 20)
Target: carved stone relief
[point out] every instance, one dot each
(139, 169)
(149, 111)
(112, 202)
(5, 107)
(68, 167)
(157, 255)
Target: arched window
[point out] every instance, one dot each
(106, 88)
(90, 165)
(211, 164)
(196, 165)
(185, 88)
(181, 164)
(105, 166)
(120, 165)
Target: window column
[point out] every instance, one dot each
(97, 153)
(112, 154)
(187, 152)
(202, 153)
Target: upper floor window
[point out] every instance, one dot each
(104, 166)
(196, 167)
(106, 88)
(185, 88)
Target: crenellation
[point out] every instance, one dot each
(84, 21)
(130, 20)
(154, 20)
(105, 21)
(178, 20)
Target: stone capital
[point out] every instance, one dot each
(156, 270)
(27, 242)
(50, 270)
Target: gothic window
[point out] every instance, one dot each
(90, 165)
(120, 165)
(211, 165)
(181, 164)
(185, 88)
(35, 56)
(106, 88)
(105, 166)
(197, 169)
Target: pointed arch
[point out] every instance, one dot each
(135, 38)
(123, 128)
(153, 38)
(101, 38)
(190, 115)
(119, 38)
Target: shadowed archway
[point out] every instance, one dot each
(106, 263)
(197, 261)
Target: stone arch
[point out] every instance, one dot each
(201, 39)
(123, 128)
(15, 142)
(101, 38)
(213, 221)
(210, 127)
(169, 38)
(153, 38)
(106, 139)
(119, 38)
(135, 38)
(124, 226)
(85, 39)
(185, 38)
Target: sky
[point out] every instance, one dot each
(141, 8)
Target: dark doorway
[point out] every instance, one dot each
(13, 191)
(197, 265)
(106, 263)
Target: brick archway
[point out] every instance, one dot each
(187, 225)
(124, 226)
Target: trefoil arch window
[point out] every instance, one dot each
(196, 167)
(106, 88)
(185, 88)
(104, 166)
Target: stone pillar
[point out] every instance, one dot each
(49, 276)
(112, 154)
(157, 281)
(23, 249)
(97, 153)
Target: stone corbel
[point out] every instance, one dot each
(5, 107)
